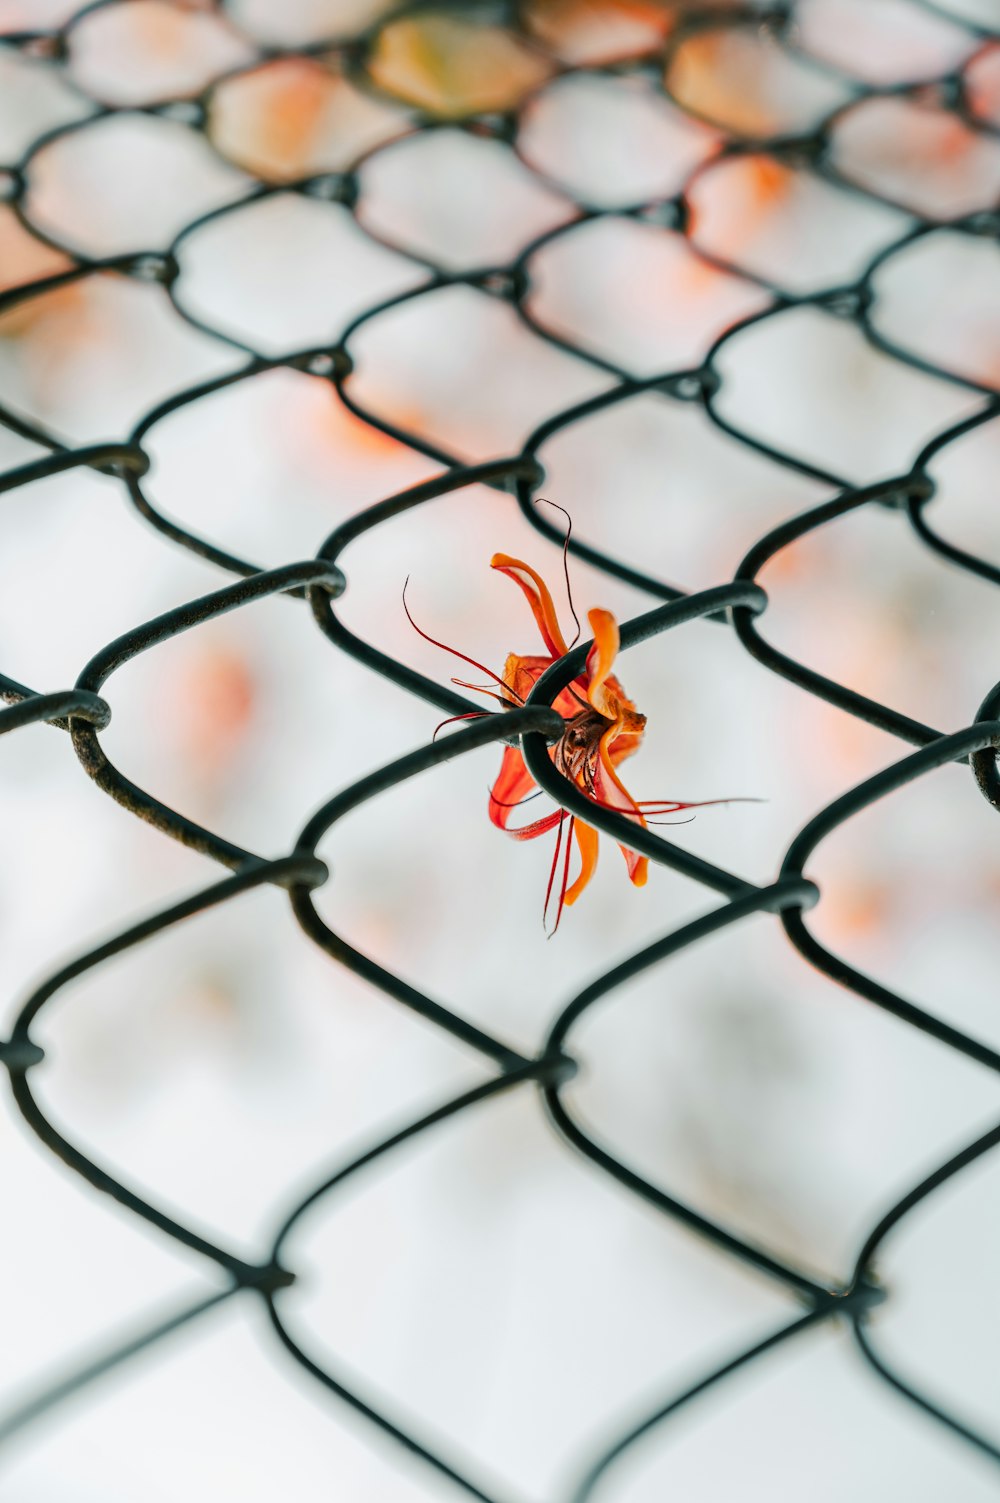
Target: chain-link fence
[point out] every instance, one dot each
(746, 74)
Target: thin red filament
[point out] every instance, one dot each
(501, 804)
(479, 667)
(481, 689)
(565, 876)
(472, 715)
(541, 501)
(555, 863)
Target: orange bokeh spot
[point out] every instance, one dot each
(452, 67)
(212, 706)
(24, 259)
(600, 30)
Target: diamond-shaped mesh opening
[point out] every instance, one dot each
(297, 304)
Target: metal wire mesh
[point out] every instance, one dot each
(737, 605)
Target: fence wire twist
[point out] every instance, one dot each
(738, 605)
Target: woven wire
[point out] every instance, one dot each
(737, 605)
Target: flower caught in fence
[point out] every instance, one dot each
(602, 728)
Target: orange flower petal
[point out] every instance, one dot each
(601, 657)
(537, 827)
(521, 674)
(512, 784)
(586, 839)
(538, 597)
(611, 790)
(624, 745)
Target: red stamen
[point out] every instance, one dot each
(665, 806)
(565, 876)
(472, 715)
(479, 667)
(555, 863)
(480, 689)
(633, 813)
(670, 806)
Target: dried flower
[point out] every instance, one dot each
(602, 728)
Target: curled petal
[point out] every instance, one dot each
(537, 593)
(537, 826)
(586, 839)
(600, 658)
(513, 782)
(610, 790)
(624, 745)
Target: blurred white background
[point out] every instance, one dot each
(496, 1291)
